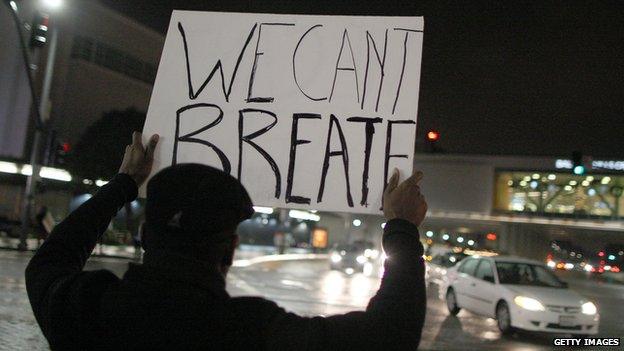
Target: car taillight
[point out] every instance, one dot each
(615, 269)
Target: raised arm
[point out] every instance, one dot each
(54, 268)
(394, 317)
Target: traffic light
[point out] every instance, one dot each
(432, 139)
(39, 29)
(577, 163)
(61, 151)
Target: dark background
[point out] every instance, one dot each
(504, 77)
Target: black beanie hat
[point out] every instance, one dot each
(188, 203)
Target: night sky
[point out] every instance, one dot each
(501, 77)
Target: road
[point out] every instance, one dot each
(309, 288)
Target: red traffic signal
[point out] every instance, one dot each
(490, 236)
(66, 147)
(433, 136)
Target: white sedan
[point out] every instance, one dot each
(520, 294)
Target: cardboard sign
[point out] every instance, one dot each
(307, 111)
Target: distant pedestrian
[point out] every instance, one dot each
(44, 223)
(176, 299)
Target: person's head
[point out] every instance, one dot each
(193, 210)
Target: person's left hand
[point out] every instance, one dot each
(138, 160)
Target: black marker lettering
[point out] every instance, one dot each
(370, 130)
(345, 35)
(218, 66)
(345, 159)
(407, 32)
(255, 64)
(388, 155)
(295, 66)
(293, 154)
(248, 139)
(188, 138)
(382, 63)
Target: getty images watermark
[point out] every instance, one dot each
(586, 341)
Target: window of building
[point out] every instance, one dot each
(560, 194)
(113, 59)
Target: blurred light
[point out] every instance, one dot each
(13, 5)
(429, 233)
(567, 188)
(589, 268)
(523, 183)
(552, 177)
(445, 237)
(589, 308)
(265, 210)
(490, 236)
(601, 254)
(55, 173)
(573, 182)
(560, 265)
(357, 222)
(361, 259)
(367, 270)
(100, 182)
(510, 182)
(591, 192)
(304, 215)
(615, 269)
(460, 239)
(551, 264)
(579, 170)
(52, 4)
(534, 184)
(611, 257)
(621, 253)
(471, 242)
(383, 225)
(453, 259)
(349, 271)
(585, 183)
(372, 253)
(535, 176)
(8, 167)
(605, 180)
(529, 303)
(433, 135)
(568, 266)
(335, 257)
(589, 178)
(527, 178)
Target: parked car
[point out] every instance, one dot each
(519, 294)
(10, 228)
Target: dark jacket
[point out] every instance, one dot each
(173, 303)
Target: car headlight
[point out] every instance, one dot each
(529, 303)
(335, 257)
(361, 259)
(589, 308)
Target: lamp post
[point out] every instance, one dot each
(42, 110)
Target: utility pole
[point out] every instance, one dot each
(38, 39)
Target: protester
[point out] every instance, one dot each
(176, 300)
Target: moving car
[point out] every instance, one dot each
(519, 294)
(360, 256)
(436, 268)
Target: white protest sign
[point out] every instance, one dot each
(306, 111)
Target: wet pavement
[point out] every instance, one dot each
(310, 288)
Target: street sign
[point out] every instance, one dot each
(307, 111)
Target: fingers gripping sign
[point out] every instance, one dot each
(404, 200)
(138, 159)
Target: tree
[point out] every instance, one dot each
(99, 151)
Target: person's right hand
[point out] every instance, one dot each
(404, 200)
